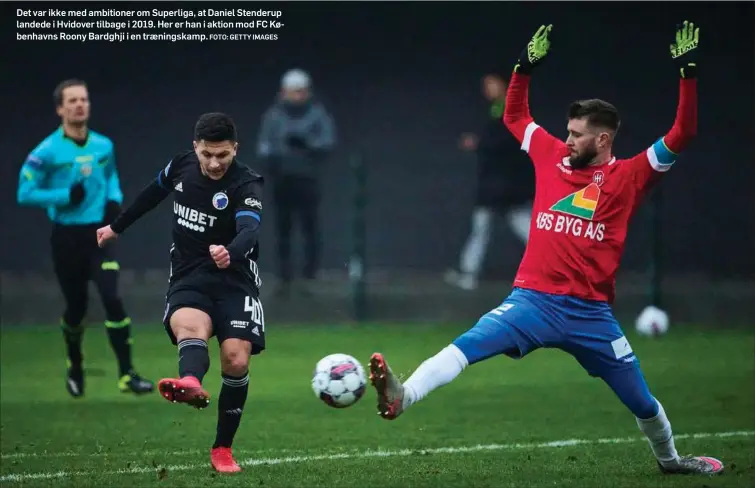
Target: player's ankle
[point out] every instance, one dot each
(669, 463)
(409, 397)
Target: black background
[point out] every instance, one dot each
(402, 82)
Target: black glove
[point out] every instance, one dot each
(297, 142)
(112, 211)
(77, 194)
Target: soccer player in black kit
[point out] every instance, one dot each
(214, 282)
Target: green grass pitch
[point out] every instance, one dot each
(541, 421)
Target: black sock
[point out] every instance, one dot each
(119, 334)
(73, 335)
(230, 406)
(193, 358)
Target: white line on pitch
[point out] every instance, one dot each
(21, 477)
(146, 452)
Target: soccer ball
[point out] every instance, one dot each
(652, 322)
(339, 380)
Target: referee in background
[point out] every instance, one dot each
(72, 174)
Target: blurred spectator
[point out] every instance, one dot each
(505, 184)
(296, 136)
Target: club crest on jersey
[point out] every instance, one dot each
(598, 178)
(85, 169)
(581, 203)
(220, 200)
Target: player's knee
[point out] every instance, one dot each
(234, 356)
(646, 407)
(190, 323)
(641, 404)
(235, 364)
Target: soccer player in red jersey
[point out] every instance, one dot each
(565, 285)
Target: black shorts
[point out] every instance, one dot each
(232, 304)
(76, 257)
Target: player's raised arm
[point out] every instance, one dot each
(658, 158)
(149, 198)
(516, 115)
(31, 179)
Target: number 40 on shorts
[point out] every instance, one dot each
(254, 306)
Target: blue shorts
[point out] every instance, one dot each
(528, 320)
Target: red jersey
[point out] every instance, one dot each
(580, 216)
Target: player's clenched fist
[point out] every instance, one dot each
(221, 256)
(105, 235)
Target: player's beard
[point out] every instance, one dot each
(583, 160)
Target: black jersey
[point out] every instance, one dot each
(205, 212)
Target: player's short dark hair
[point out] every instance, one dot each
(215, 127)
(57, 94)
(598, 113)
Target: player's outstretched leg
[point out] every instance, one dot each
(492, 335)
(630, 386)
(191, 329)
(234, 358)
